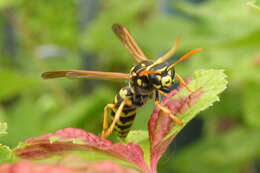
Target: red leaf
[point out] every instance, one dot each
(77, 163)
(41, 147)
(160, 123)
(68, 166)
(28, 167)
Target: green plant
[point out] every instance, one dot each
(143, 151)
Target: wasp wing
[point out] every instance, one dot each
(84, 74)
(126, 38)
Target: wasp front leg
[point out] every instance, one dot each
(166, 110)
(107, 130)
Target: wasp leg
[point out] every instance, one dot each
(107, 131)
(105, 120)
(183, 82)
(168, 112)
(163, 93)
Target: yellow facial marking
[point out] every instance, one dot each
(143, 65)
(139, 82)
(170, 72)
(166, 81)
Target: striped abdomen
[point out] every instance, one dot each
(127, 116)
(123, 125)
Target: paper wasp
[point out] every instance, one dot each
(146, 79)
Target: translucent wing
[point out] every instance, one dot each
(124, 35)
(84, 74)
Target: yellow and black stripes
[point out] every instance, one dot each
(145, 78)
(124, 124)
(139, 90)
(127, 116)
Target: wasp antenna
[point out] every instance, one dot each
(186, 56)
(168, 54)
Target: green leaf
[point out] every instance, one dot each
(14, 84)
(140, 137)
(137, 136)
(24, 121)
(73, 139)
(250, 104)
(212, 83)
(255, 5)
(3, 129)
(6, 154)
(7, 3)
(227, 153)
(99, 36)
(82, 111)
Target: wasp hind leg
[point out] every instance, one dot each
(105, 119)
(107, 130)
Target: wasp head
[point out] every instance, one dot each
(161, 77)
(146, 77)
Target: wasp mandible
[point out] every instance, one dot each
(146, 79)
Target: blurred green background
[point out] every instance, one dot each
(37, 36)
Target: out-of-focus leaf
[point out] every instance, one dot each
(6, 154)
(68, 139)
(100, 38)
(28, 167)
(7, 3)
(58, 30)
(25, 120)
(2, 114)
(95, 167)
(219, 24)
(13, 83)
(3, 128)
(250, 104)
(228, 153)
(83, 110)
(66, 166)
(255, 5)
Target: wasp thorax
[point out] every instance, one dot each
(161, 77)
(140, 84)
